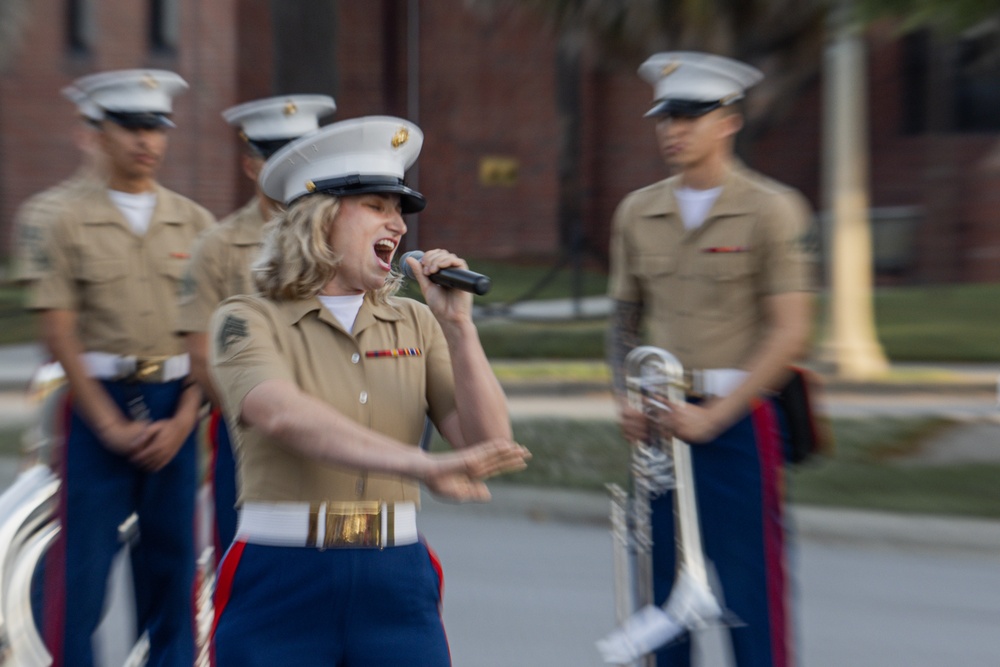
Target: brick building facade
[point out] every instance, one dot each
(484, 90)
(35, 146)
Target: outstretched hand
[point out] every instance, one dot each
(459, 475)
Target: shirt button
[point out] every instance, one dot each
(364, 397)
(355, 358)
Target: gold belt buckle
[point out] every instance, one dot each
(348, 524)
(150, 369)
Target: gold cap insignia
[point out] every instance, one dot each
(310, 186)
(150, 82)
(290, 109)
(401, 137)
(669, 68)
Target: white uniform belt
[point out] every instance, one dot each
(706, 382)
(107, 366)
(329, 524)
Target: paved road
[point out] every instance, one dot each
(534, 592)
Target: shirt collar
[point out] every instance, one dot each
(731, 200)
(102, 210)
(370, 313)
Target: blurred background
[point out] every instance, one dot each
(884, 113)
(532, 109)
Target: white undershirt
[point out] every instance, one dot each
(695, 204)
(344, 308)
(137, 208)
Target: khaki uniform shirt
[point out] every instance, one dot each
(220, 266)
(254, 339)
(702, 290)
(32, 221)
(123, 287)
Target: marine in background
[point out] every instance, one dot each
(220, 268)
(713, 265)
(108, 310)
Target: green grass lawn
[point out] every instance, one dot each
(10, 442)
(943, 323)
(872, 467)
(16, 325)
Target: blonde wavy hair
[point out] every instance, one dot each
(297, 261)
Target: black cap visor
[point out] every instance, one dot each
(267, 147)
(344, 186)
(675, 108)
(144, 120)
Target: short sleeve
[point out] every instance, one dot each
(622, 283)
(789, 262)
(244, 351)
(202, 288)
(31, 259)
(56, 288)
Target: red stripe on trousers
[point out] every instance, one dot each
(769, 449)
(54, 586)
(224, 582)
(213, 440)
(439, 570)
(436, 564)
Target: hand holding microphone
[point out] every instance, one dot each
(451, 277)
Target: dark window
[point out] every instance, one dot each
(79, 26)
(163, 26)
(916, 54)
(977, 73)
(950, 85)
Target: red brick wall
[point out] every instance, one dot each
(486, 89)
(35, 120)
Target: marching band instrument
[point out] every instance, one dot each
(28, 527)
(654, 380)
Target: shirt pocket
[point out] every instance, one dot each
(653, 266)
(174, 269)
(729, 267)
(726, 286)
(98, 271)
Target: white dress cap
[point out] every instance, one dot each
(689, 83)
(147, 93)
(84, 105)
(285, 117)
(350, 157)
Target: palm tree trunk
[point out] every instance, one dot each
(851, 346)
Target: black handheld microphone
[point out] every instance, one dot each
(462, 279)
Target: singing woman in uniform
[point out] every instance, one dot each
(326, 379)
